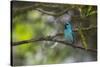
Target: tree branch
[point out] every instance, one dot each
(48, 38)
(76, 29)
(52, 13)
(24, 9)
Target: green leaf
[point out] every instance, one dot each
(93, 12)
(89, 9)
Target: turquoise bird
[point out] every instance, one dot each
(68, 32)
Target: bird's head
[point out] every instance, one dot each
(67, 25)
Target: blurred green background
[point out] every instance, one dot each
(30, 23)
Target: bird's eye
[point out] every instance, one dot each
(65, 27)
(66, 24)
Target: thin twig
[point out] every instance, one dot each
(76, 29)
(85, 29)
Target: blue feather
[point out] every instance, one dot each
(68, 33)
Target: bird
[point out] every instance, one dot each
(68, 32)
